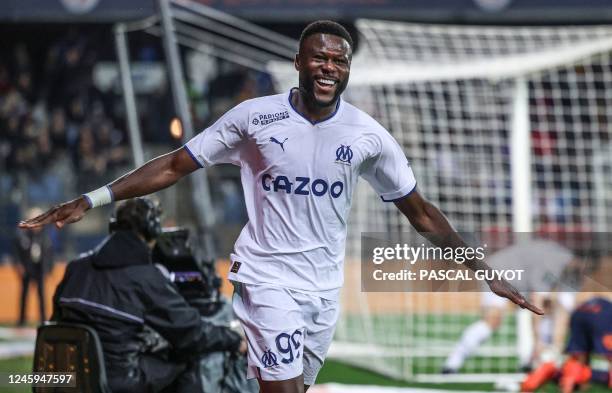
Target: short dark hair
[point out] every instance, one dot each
(326, 27)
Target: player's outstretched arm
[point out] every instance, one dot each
(157, 174)
(428, 220)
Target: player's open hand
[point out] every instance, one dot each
(63, 214)
(504, 289)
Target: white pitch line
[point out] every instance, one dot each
(338, 388)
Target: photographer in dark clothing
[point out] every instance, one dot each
(118, 291)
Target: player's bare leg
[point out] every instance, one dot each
(473, 336)
(293, 385)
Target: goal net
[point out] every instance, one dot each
(507, 129)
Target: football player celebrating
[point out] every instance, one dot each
(300, 155)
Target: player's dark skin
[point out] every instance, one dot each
(321, 57)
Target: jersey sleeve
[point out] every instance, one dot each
(221, 142)
(388, 171)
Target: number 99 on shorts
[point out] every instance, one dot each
(286, 349)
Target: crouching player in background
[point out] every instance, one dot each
(541, 280)
(590, 333)
(118, 291)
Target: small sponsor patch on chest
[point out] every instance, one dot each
(267, 118)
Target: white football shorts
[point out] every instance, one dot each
(288, 332)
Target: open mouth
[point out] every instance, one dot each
(326, 83)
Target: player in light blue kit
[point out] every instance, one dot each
(300, 155)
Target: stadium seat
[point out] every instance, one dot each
(68, 347)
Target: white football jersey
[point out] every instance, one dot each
(298, 179)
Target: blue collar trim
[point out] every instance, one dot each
(308, 120)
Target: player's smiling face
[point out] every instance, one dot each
(324, 65)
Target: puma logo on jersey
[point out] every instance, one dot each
(274, 140)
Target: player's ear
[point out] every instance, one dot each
(296, 61)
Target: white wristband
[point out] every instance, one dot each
(100, 197)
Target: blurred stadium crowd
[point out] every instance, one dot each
(54, 125)
(63, 135)
(55, 117)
